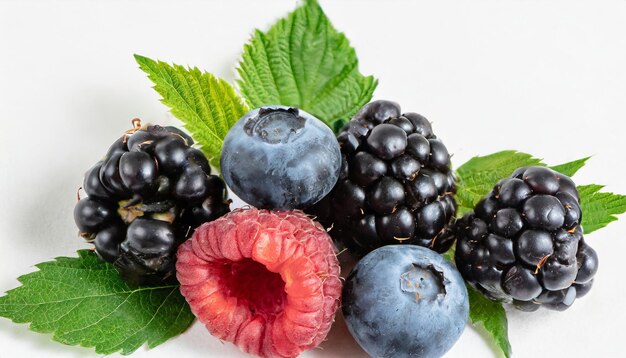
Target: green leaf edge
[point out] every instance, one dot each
(490, 324)
(590, 196)
(259, 36)
(570, 168)
(82, 254)
(207, 132)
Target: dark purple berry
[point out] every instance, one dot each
(524, 245)
(91, 215)
(145, 198)
(587, 264)
(544, 211)
(387, 141)
(108, 241)
(138, 171)
(521, 283)
(396, 185)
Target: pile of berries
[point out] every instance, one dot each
(266, 278)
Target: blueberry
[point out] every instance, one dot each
(405, 301)
(280, 158)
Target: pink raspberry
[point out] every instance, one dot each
(265, 281)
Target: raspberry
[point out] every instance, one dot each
(395, 184)
(523, 244)
(144, 198)
(265, 281)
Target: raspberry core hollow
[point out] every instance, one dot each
(265, 281)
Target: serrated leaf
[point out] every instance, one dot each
(570, 168)
(491, 316)
(83, 301)
(478, 175)
(208, 106)
(599, 208)
(303, 61)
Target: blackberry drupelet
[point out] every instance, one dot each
(395, 185)
(523, 244)
(145, 197)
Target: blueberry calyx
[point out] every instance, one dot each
(424, 282)
(275, 125)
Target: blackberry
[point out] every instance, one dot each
(523, 243)
(144, 198)
(395, 184)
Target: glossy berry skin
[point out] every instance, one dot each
(395, 184)
(405, 301)
(523, 244)
(144, 198)
(280, 158)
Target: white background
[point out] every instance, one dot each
(545, 77)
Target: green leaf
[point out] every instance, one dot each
(599, 209)
(490, 315)
(208, 106)
(570, 168)
(478, 175)
(303, 61)
(83, 301)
